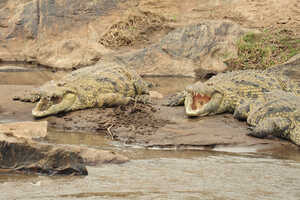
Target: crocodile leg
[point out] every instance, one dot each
(112, 99)
(242, 109)
(144, 99)
(271, 126)
(176, 100)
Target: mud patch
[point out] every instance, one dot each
(160, 127)
(133, 119)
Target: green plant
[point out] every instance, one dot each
(259, 51)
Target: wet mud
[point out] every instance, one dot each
(138, 119)
(160, 127)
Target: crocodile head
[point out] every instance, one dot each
(54, 99)
(202, 100)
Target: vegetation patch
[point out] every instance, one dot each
(260, 51)
(137, 27)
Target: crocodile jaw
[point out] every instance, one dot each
(52, 108)
(202, 99)
(197, 104)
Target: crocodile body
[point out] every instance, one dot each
(275, 113)
(101, 85)
(223, 92)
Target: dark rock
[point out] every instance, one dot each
(39, 31)
(52, 15)
(29, 156)
(183, 51)
(291, 68)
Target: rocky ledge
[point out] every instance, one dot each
(27, 156)
(72, 34)
(20, 153)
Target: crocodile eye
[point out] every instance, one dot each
(56, 99)
(61, 84)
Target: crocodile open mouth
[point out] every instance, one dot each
(46, 103)
(199, 100)
(53, 105)
(197, 104)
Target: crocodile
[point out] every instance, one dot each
(275, 113)
(223, 92)
(101, 85)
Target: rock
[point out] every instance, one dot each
(71, 34)
(291, 68)
(24, 155)
(29, 130)
(96, 157)
(188, 51)
(39, 31)
(36, 18)
(68, 54)
(18, 152)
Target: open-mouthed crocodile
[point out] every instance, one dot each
(101, 85)
(222, 92)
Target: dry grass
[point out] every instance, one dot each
(136, 27)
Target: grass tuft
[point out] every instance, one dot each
(260, 51)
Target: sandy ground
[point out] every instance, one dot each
(261, 14)
(271, 15)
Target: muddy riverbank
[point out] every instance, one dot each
(149, 126)
(178, 158)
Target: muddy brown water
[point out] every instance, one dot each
(151, 173)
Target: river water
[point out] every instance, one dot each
(158, 174)
(168, 175)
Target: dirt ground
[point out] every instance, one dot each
(272, 15)
(261, 14)
(137, 118)
(156, 126)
